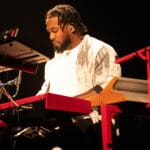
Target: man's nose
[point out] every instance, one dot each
(51, 37)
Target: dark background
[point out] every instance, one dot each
(122, 24)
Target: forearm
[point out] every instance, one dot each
(95, 90)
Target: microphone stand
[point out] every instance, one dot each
(5, 92)
(144, 54)
(11, 82)
(18, 82)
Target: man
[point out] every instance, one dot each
(82, 65)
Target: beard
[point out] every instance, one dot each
(63, 46)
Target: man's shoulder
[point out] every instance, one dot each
(96, 41)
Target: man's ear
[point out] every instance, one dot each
(71, 28)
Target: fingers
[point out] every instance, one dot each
(95, 117)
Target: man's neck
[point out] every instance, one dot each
(75, 41)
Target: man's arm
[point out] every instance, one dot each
(95, 90)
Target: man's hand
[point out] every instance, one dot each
(95, 117)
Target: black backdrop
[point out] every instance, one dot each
(122, 24)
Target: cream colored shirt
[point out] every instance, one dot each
(76, 71)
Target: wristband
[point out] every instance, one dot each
(97, 88)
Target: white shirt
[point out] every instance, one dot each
(76, 71)
(62, 73)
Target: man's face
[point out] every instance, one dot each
(59, 38)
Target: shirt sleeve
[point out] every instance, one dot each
(105, 67)
(46, 84)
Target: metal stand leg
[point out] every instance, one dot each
(107, 112)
